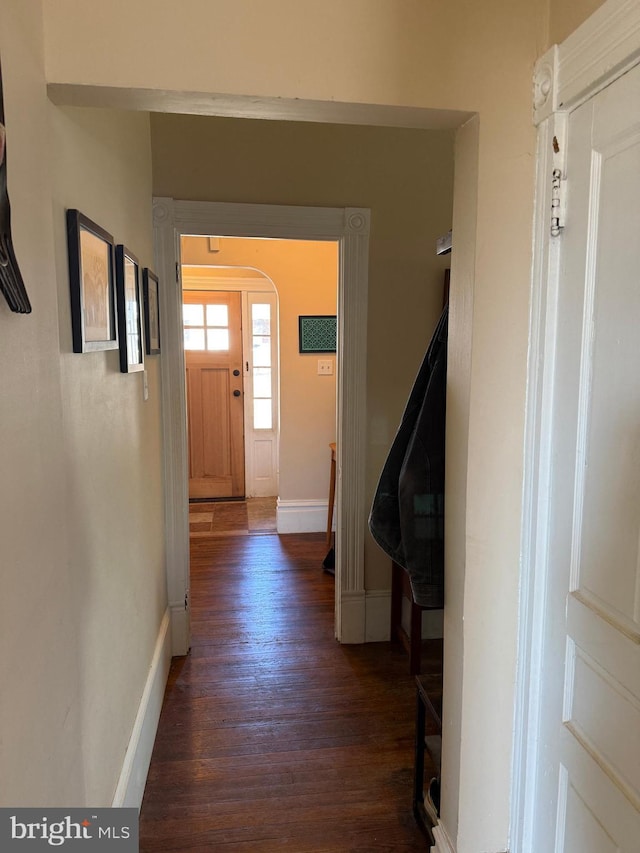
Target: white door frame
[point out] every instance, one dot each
(597, 53)
(350, 228)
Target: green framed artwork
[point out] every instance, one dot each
(317, 333)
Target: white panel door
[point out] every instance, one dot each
(588, 775)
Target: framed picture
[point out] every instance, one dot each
(317, 333)
(151, 312)
(91, 279)
(129, 311)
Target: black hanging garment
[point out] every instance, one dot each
(407, 515)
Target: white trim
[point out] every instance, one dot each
(308, 516)
(174, 427)
(253, 106)
(537, 472)
(597, 53)
(443, 843)
(351, 511)
(254, 284)
(353, 609)
(545, 86)
(135, 767)
(604, 48)
(350, 227)
(261, 487)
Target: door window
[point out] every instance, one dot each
(262, 377)
(206, 327)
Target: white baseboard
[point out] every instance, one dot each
(301, 516)
(353, 607)
(135, 767)
(443, 844)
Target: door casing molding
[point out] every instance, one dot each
(602, 49)
(350, 228)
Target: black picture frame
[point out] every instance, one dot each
(151, 297)
(129, 300)
(94, 322)
(317, 333)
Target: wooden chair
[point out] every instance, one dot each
(332, 492)
(412, 642)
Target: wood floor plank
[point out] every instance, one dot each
(274, 737)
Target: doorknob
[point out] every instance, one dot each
(236, 372)
(236, 393)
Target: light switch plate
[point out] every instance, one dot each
(325, 367)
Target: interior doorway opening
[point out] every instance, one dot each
(273, 411)
(349, 228)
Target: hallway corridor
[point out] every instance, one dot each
(273, 737)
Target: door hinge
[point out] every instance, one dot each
(558, 198)
(186, 601)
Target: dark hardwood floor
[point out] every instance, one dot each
(273, 737)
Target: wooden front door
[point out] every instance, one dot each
(213, 357)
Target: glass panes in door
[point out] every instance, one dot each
(206, 327)
(261, 365)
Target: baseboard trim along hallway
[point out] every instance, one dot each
(135, 767)
(309, 516)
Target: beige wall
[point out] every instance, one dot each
(112, 445)
(40, 684)
(566, 15)
(372, 52)
(404, 176)
(437, 54)
(305, 277)
(80, 489)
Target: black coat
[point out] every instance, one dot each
(407, 515)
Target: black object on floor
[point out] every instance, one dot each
(329, 562)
